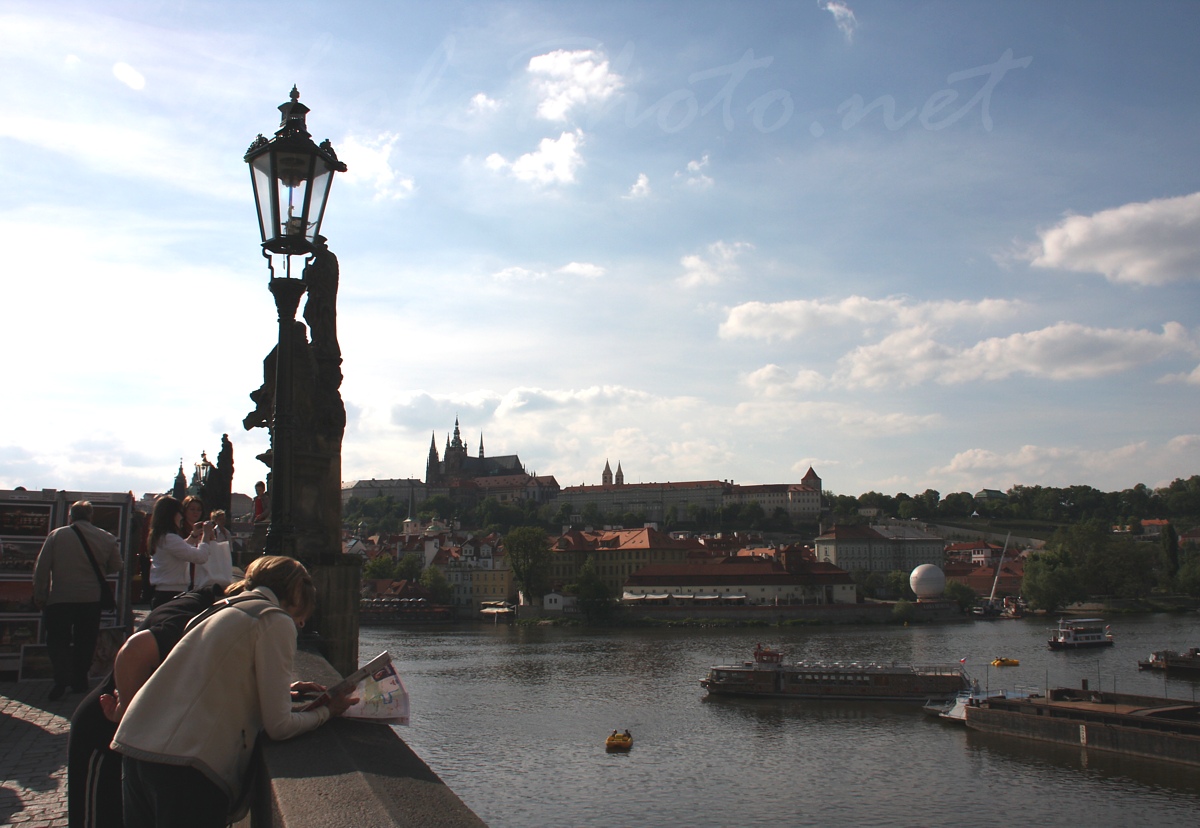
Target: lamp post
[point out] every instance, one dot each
(291, 176)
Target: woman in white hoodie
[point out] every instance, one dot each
(189, 733)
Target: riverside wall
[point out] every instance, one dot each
(349, 774)
(865, 613)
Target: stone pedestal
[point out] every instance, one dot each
(336, 618)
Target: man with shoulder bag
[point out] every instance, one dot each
(69, 586)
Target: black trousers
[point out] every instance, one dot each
(170, 796)
(71, 632)
(93, 771)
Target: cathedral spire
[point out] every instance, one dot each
(481, 445)
(606, 477)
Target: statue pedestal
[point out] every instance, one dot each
(336, 618)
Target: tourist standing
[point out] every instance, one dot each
(261, 518)
(171, 555)
(67, 586)
(218, 569)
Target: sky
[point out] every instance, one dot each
(912, 245)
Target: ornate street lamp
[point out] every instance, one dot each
(291, 176)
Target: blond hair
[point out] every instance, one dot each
(284, 576)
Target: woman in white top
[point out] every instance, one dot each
(171, 555)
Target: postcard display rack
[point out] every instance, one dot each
(26, 518)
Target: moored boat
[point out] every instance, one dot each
(1080, 633)
(1149, 727)
(767, 675)
(1170, 661)
(955, 710)
(1001, 661)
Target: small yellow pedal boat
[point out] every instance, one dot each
(619, 741)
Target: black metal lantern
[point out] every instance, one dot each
(291, 177)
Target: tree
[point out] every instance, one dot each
(381, 567)
(898, 586)
(961, 594)
(753, 515)
(529, 553)
(957, 504)
(438, 506)
(904, 611)
(1170, 553)
(410, 566)
(434, 580)
(1051, 581)
(593, 595)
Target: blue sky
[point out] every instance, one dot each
(919, 245)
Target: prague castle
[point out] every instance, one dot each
(469, 479)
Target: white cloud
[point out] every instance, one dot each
(800, 318)
(843, 16)
(719, 264)
(774, 381)
(640, 188)
(850, 421)
(1192, 378)
(694, 177)
(518, 274)
(368, 161)
(1145, 243)
(553, 162)
(584, 269)
(146, 154)
(571, 79)
(481, 103)
(1066, 351)
(129, 76)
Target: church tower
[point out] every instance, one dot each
(620, 480)
(456, 454)
(433, 462)
(606, 478)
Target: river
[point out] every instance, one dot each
(514, 719)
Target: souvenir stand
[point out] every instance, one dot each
(26, 518)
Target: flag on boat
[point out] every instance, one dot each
(962, 661)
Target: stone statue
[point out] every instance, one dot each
(318, 416)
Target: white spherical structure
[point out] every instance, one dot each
(927, 581)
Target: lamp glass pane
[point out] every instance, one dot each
(320, 193)
(265, 196)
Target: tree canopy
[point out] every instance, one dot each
(528, 552)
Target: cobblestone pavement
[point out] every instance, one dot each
(33, 754)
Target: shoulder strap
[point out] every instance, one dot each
(87, 550)
(254, 611)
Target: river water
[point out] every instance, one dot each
(514, 719)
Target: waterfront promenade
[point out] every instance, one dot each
(33, 754)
